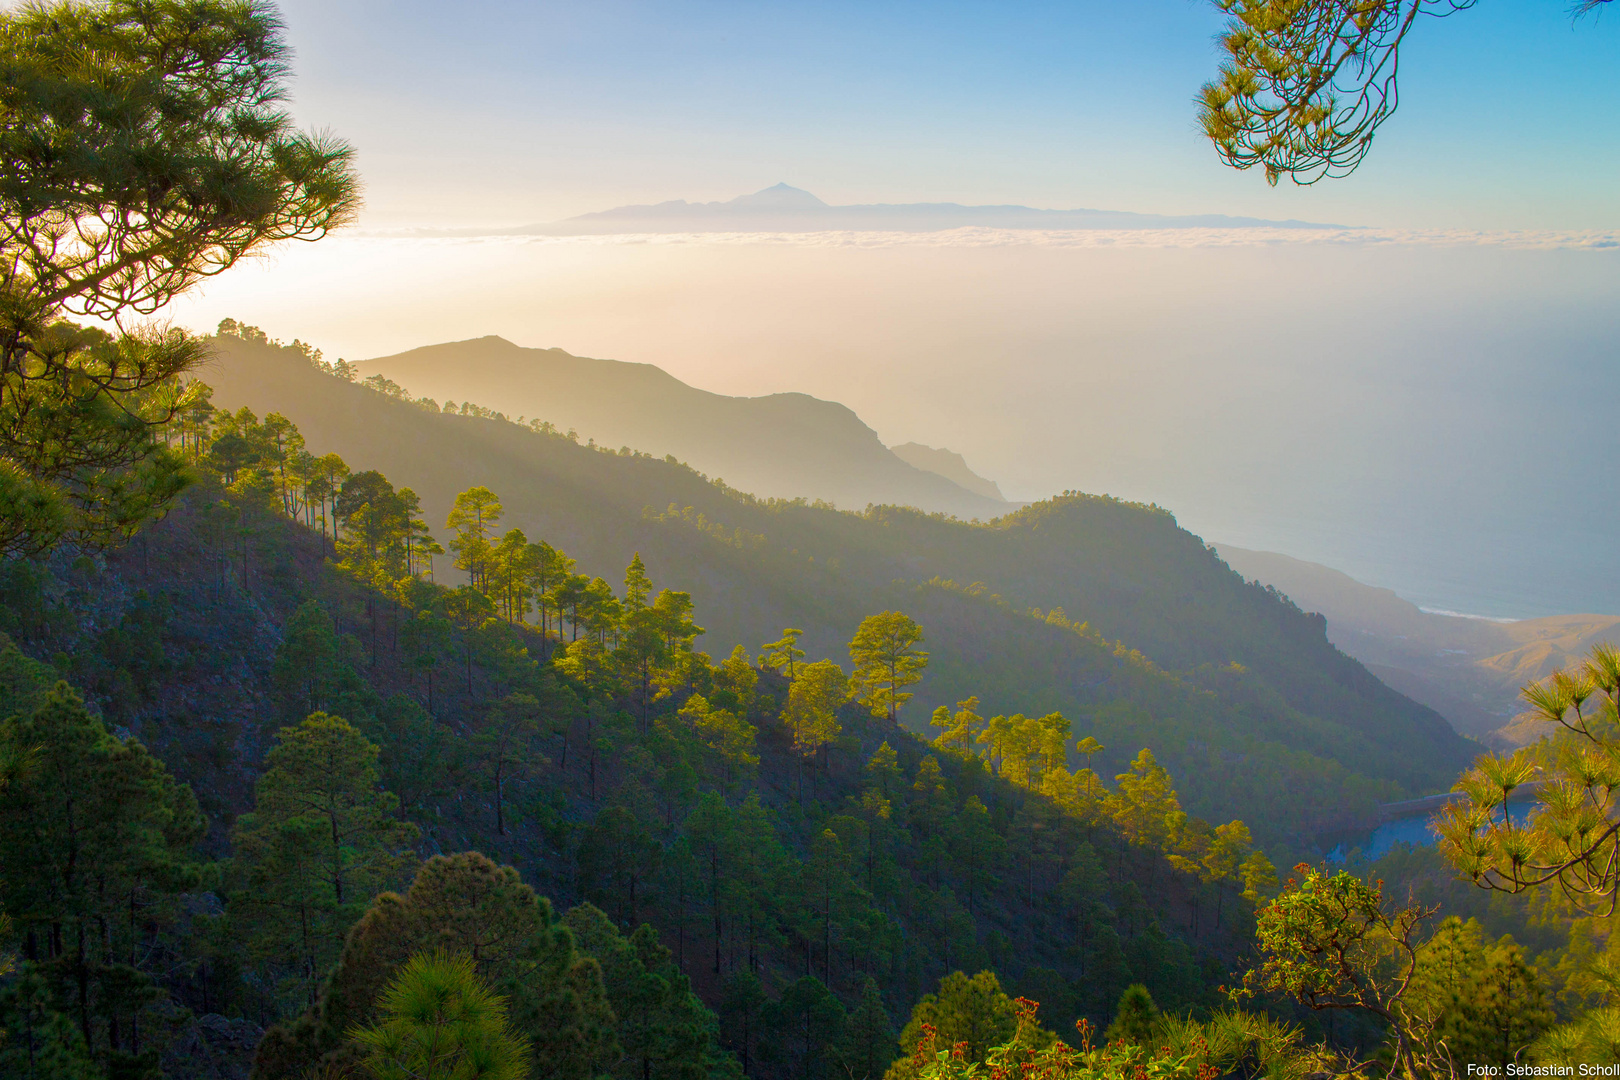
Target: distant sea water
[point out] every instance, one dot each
(1480, 480)
(1417, 830)
(1499, 570)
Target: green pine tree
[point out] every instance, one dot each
(321, 841)
(666, 1033)
(439, 1021)
(1135, 1018)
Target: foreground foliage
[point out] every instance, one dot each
(143, 147)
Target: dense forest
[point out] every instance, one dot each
(1164, 646)
(276, 763)
(294, 718)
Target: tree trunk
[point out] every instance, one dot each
(500, 807)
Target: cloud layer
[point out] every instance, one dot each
(982, 237)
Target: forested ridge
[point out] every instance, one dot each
(272, 665)
(270, 766)
(1237, 673)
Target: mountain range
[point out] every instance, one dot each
(789, 209)
(776, 446)
(1105, 611)
(1467, 669)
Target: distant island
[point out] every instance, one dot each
(782, 208)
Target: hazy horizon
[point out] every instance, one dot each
(1418, 402)
(1404, 409)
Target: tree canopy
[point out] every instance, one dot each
(143, 148)
(1305, 84)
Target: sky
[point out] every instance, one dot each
(1424, 403)
(505, 112)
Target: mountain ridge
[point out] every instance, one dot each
(1236, 673)
(783, 445)
(782, 208)
(949, 464)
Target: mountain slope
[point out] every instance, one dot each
(1469, 670)
(1266, 720)
(781, 445)
(950, 465)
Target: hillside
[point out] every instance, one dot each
(950, 465)
(1468, 670)
(1259, 682)
(732, 862)
(290, 759)
(780, 445)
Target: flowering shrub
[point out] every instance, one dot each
(1019, 1059)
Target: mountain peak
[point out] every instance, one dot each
(779, 197)
(950, 465)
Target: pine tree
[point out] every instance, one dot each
(887, 660)
(548, 570)
(825, 889)
(1136, 1017)
(742, 1007)
(617, 857)
(812, 710)
(783, 656)
(419, 759)
(666, 1033)
(643, 643)
(1145, 801)
(959, 731)
(978, 848)
(103, 225)
(509, 574)
(1482, 1001)
(1224, 861)
(1510, 1007)
(36, 1041)
(321, 840)
(930, 813)
(884, 770)
(869, 1044)
(326, 478)
(468, 905)
(308, 670)
(734, 683)
(760, 877)
(505, 746)
(476, 511)
(731, 738)
(808, 1021)
(440, 1022)
(90, 829)
(974, 1011)
(709, 830)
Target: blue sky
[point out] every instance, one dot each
(486, 111)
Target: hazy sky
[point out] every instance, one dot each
(1427, 405)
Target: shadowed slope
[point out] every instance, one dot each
(1265, 720)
